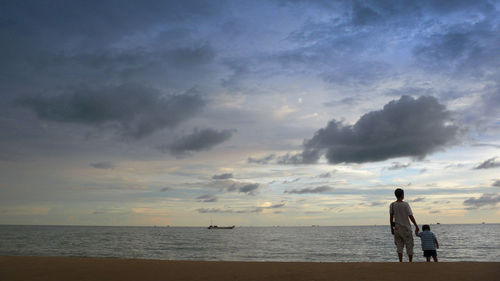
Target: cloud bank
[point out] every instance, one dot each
(135, 110)
(255, 210)
(207, 198)
(319, 189)
(247, 188)
(405, 127)
(488, 164)
(199, 140)
(484, 200)
(224, 176)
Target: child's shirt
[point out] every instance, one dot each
(427, 238)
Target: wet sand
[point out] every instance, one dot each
(74, 269)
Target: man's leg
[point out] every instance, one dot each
(398, 240)
(408, 240)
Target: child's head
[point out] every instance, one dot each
(426, 227)
(399, 193)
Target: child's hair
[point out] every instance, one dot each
(399, 193)
(426, 227)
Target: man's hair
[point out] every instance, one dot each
(426, 227)
(399, 193)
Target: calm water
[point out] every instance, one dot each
(326, 244)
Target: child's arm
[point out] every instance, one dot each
(437, 244)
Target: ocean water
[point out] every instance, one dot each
(479, 242)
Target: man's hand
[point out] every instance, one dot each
(392, 230)
(416, 230)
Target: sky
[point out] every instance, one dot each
(248, 113)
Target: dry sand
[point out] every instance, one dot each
(74, 269)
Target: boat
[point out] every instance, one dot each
(220, 227)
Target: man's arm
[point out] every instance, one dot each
(391, 216)
(415, 223)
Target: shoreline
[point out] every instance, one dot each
(75, 268)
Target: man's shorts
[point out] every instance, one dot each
(403, 237)
(430, 253)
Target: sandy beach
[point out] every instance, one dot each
(62, 268)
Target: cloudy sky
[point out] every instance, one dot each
(249, 113)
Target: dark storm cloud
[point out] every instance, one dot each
(214, 210)
(165, 189)
(229, 185)
(165, 64)
(496, 183)
(484, 200)
(264, 160)
(137, 111)
(308, 156)
(469, 48)
(102, 165)
(247, 188)
(275, 206)
(199, 140)
(405, 127)
(223, 176)
(228, 211)
(326, 175)
(61, 42)
(345, 48)
(207, 198)
(89, 26)
(398, 166)
(486, 145)
(319, 189)
(488, 164)
(254, 210)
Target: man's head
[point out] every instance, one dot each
(400, 194)
(426, 227)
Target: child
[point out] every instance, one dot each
(429, 243)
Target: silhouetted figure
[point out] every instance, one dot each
(429, 243)
(400, 212)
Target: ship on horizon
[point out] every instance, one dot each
(220, 227)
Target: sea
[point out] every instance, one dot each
(458, 242)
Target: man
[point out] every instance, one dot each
(400, 212)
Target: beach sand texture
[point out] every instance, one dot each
(74, 269)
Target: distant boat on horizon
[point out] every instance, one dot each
(220, 227)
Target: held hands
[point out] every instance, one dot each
(392, 230)
(416, 230)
